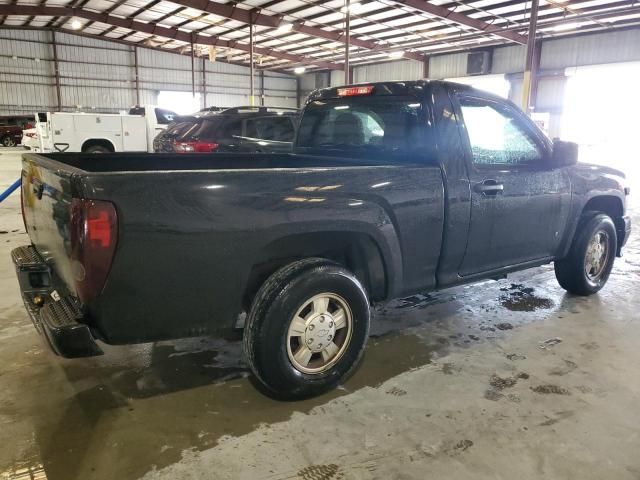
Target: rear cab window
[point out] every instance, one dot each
(385, 124)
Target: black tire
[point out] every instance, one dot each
(571, 271)
(266, 341)
(97, 149)
(8, 141)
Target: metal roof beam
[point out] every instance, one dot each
(274, 21)
(462, 19)
(158, 30)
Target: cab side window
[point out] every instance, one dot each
(495, 136)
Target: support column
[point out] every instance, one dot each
(425, 68)
(204, 82)
(347, 42)
(529, 68)
(56, 71)
(251, 66)
(193, 70)
(136, 74)
(262, 88)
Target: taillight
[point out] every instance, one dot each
(195, 147)
(94, 233)
(354, 91)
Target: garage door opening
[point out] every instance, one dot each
(601, 108)
(182, 103)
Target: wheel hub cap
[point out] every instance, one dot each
(319, 332)
(597, 255)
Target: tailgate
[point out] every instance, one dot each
(46, 200)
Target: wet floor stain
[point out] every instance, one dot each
(500, 383)
(551, 389)
(320, 472)
(522, 299)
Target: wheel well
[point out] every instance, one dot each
(610, 205)
(356, 251)
(97, 142)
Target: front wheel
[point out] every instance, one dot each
(307, 328)
(588, 265)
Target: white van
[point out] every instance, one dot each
(101, 132)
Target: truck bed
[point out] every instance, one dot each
(194, 230)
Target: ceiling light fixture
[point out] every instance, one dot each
(284, 28)
(76, 25)
(299, 70)
(565, 26)
(396, 54)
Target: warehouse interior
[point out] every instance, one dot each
(506, 377)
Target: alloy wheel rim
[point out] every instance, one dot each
(319, 333)
(597, 256)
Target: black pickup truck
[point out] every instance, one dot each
(393, 188)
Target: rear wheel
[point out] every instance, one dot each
(8, 141)
(307, 328)
(97, 149)
(588, 265)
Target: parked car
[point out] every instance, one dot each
(10, 135)
(163, 143)
(240, 129)
(393, 188)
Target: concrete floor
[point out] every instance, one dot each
(508, 379)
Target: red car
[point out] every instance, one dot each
(11, 127)
(10, 135)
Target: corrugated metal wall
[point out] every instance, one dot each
(620, 46)
(398, 70)
(100, 75)
(26, 71)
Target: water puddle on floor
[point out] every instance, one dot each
(523, 299)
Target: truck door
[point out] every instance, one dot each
(519, 204)
(134, 134)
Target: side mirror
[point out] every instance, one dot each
(564, 154)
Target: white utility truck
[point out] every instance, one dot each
(100, 132)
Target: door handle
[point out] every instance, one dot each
(489, 188)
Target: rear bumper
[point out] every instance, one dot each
(57, 317)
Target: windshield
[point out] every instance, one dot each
(385, 124)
